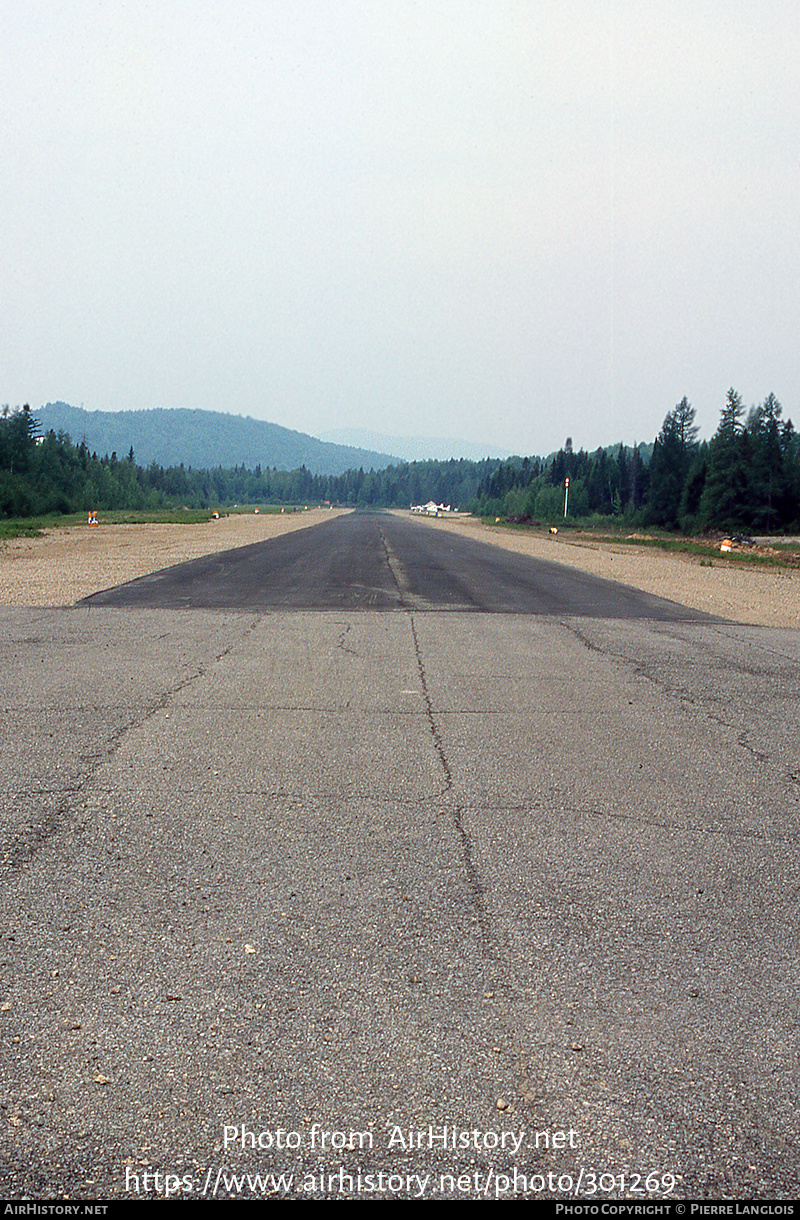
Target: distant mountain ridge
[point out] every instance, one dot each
(204, 440)
(415, 448)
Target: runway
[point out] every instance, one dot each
(378, 561)
(300, 867)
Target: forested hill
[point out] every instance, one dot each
(203, 440)
(745, 478)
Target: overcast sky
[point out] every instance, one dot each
(509, 221)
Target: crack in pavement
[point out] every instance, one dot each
(432, 725)
(341, 644)
(24, 844)
(474, 883)
(476, 888)
(681, 693)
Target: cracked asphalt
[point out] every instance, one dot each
(450, 865)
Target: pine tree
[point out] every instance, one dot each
(767, 481)
(693, 490)
(669, 465)
(790, 452)
(726, 502)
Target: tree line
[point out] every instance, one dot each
(43, 474)
(746, 478)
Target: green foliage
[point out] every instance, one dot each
(55, 476)
(201, 439)
(726, 501)
(767, 473)
(21, 529)
(669, 466)
(746, 478)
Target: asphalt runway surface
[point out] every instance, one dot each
(377, 561)
(449, 900)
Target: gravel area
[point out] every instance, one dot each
(68, 564)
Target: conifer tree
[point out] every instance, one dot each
(669, 465)
(767, 481)
(726, 501)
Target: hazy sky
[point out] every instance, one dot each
(508, 221)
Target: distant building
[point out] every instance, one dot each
(568, 446)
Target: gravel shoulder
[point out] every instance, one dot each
(66, 565)
(768, 597)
